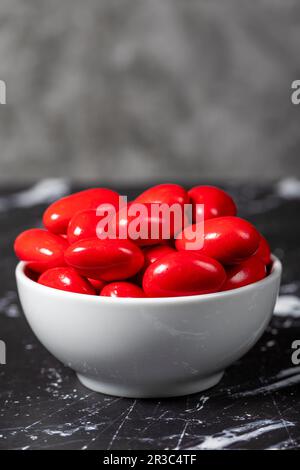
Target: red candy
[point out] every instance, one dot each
(66, 279)
(264, 251)
(122, 289)
(183, 273)
(83, 225)
(149, 228)
(43, 250)
(108, 260)
(164, 193)
(58, 215)
(154, 253)
(217, 203)
(226, 239)
(247, 272)
(97, 284)
(121, 255)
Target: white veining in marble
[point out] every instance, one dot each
(244, 433)
(287, 306)
(288, 372)
(283, 379)
(45, 191)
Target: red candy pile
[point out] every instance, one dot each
(69, 255)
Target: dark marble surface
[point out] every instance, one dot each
(256, 405)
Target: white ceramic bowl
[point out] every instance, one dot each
(149, 347)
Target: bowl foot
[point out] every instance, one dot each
(172, 390)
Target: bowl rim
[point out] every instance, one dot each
(25, 280)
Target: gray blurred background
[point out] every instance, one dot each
(136, 90)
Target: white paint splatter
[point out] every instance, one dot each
(249, 431)
(44, 191)
(288, 188)
(287, 306)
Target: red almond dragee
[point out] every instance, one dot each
(58, 215)
(155, 250)
(83, 225)
(164, 193)
(264, 250)
(153, 253)
(41, 249)
(251, 270)
(212, 202)
(183, 273)
(108, 260)
(66, 279)
(226, 239)
(97, 284)
(122, 289)
(148, 228)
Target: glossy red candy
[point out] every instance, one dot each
(83, 225)
(97, 284)
(42, 249)
(183, 273)
(122, 289)
(264, 251)
(251, 270)
(216, 202)
(108, 260)
(66, 279)
(144, 226)
(229, 240)
(58, 215)
(153, 253)
(164, 193)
